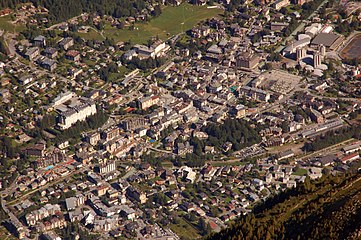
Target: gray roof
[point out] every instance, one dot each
(327, 39)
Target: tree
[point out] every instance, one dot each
(157, 11)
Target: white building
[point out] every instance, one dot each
(78, 110)
(62, 98)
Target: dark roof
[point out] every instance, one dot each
(327, 159)
(327, 39)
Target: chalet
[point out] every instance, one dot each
(73, 55)
(32, 53)
(40, 41)
(50, 52)
(66, 43)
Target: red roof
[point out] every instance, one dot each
(351, 156)
(213, 225)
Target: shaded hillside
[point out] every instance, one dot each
(327, 209)
(61, 10)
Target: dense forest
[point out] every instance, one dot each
(329, 208)
(333, 137)
(236, 131)
(60, 10)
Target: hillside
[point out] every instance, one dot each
(60, 10)
(327, 209)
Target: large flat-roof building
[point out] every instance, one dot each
(329, 40)
(78, 110)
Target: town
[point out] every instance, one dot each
(176, 135)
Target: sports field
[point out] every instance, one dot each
(353, 48)
(173, 20)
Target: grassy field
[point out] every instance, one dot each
(90, 35)
(184, 229)
(173, 20)
(6, 25)
(300, 172)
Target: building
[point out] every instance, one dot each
(316, 116)
(39, 41)
(105, 167)
(278, 26)
(294, 45)
(349, 158)
(50, 52)
(316, 59)
(300, 53)
(157, 49)
(110, 133)
(147, 102)
(66, 43)
(93, 139)
(48, 63)
(78, 110)
(32, 53)
(247, 59)
(74, 202)
(73, 55)
(280, 4)
(37, 150)
(352, 148)
(62, 98)
(26, 79)
(329, 40)
(322, 50)
(137, 195)
(255, 93)
(50, 236)
(133, 123)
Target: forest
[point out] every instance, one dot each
(60, 10)
(328, 208)
(332, 138)
(236, 131)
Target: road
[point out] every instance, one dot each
(47, 185)
(162, 151)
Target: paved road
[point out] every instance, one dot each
(161, 150)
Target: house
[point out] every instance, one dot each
(40, 41)
(50, 52)
(127, 212)
(147, 102)
(184, 148)
(73, 55)
(136, 194)
(48, 64)
(66, 43)
(32, 53)
(37, 150)
(199, 2)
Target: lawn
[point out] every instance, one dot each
(184, 229)
(300, 172)
(173, 20)
(90, 35)
(222, 163)
(6, 25)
